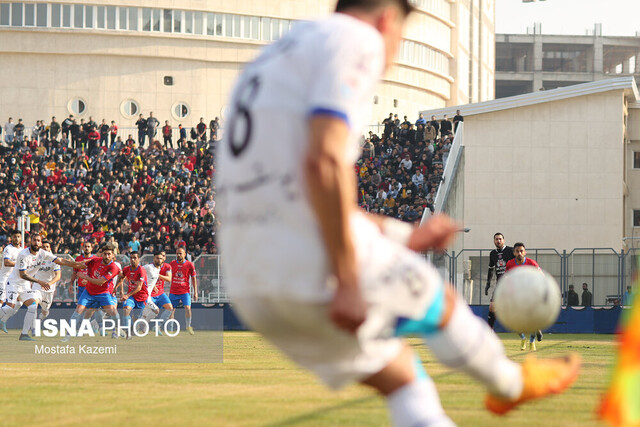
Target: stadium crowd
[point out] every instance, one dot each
(81, 181)
(109, 190)
(399, 172)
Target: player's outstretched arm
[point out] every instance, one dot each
(73, 264)
(331, 183)
(8, 263)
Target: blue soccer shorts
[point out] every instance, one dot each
(185, 299)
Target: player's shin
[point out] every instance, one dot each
(465, 342)
(29, 317)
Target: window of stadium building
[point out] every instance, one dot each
(636, 159)
(77, 106)
(636, 218)
(180, 110)
(79, 16)
(129, 108)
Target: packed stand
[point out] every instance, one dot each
(400, 171)
(81, 181)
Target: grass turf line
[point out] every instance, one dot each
(257, 386)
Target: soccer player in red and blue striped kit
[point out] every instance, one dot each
(181, 271)
(520, 260)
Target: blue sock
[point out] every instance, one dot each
(127, 320)
(164, 316)
(188, 320)
(532, 337)
(522, 336)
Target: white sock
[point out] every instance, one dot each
(6, 312)
(468, 344)
(188, 321)
(32, 310)
(417, 404)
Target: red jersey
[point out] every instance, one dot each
(159, 289)
(512, 263)
(98, 270)
(80, 258)
(134, 276)
(180, 274)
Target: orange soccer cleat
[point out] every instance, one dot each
(542, 377)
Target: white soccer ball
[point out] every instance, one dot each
(527, 299)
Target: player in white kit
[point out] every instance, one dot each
(331, 287)
(157, 272)
(29, 260)
(50, 273)
(9, 255)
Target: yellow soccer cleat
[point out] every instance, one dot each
(532, 346)
(190, 329)
(523, 344)
(541, 377)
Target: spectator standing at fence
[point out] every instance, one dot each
(214, 125)
(142, 129)
(9, 131)
(627, 298)
(430, 133)
(73, 131)
(113, 131)
(445, 127)
(54, 128)
(104, 133)
(573, 300)
(166, 134)
(152, 127)
(202, 130)
(435, 124)
(587, 296)
(457, 119)
(19, 131)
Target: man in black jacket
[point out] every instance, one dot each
(572, 297)
(498, 259)
(587, 296)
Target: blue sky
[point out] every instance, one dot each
(618, 17)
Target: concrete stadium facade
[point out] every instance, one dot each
(179, 59)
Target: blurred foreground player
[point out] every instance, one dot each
(330, 286)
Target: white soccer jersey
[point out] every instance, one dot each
(29, 263)
(153, 273)
(269, 234)
(46, 272)
(10, 253)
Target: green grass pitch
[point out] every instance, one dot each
(256, 386)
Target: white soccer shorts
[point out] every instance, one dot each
(395, 282)
(13, 294)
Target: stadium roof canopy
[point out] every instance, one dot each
(628, 84)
